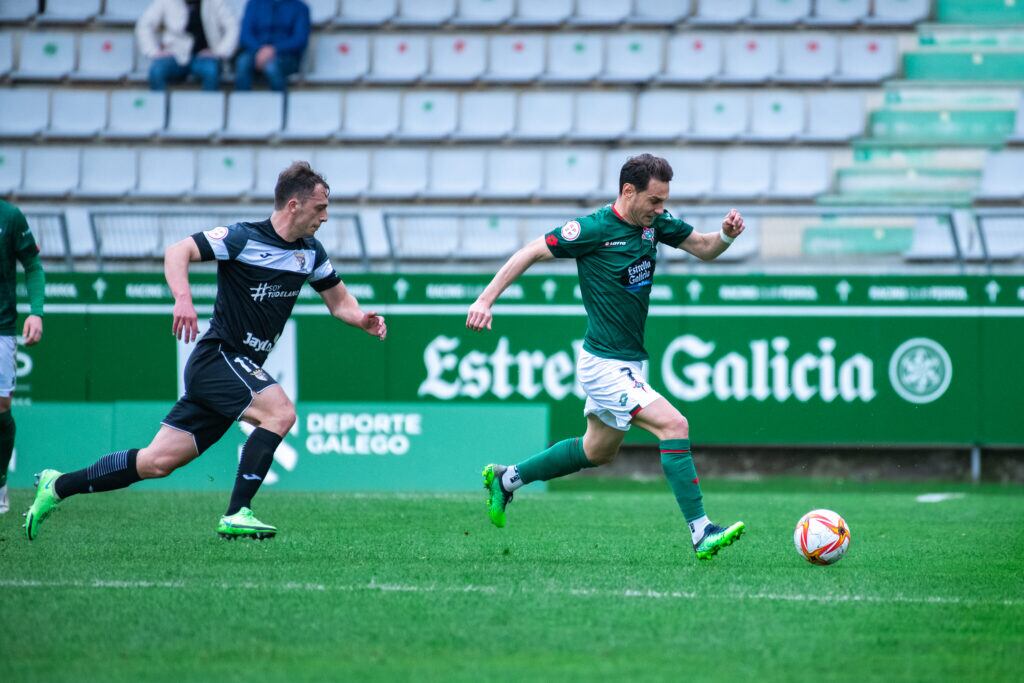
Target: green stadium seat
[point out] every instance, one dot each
(980, 12)
(964, 65)
(855, 240)
(972, 127)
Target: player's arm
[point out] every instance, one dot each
(345, 308)
(708, 246)
(27, 252)
(176, 260)
(480, 312)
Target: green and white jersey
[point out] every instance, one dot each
(16, 244)
(615, 261)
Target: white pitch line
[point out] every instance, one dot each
(630, 593)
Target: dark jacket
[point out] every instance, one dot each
(281, 23)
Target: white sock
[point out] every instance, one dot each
(510, 480)
(697, 527)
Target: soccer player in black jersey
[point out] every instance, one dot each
(261, 269)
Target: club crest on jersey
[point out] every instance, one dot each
(570, 231)
(300, 258)
(647, 234)
(217, 233)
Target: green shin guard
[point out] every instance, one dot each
(562, 458)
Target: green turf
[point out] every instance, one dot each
(585, 583)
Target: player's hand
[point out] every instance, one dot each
(479, 317)
(732, 225)
(33, 330)
(186, 322)
(374, 324)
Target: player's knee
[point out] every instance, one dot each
(154, 466)
(677, 428)
(601, 456)
(281, 420)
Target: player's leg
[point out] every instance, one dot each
(273, 414)
(663, 420)
(8, 370)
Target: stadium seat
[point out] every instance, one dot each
(542, 12)
(779, 12)
(253, 115)
(838, 12)
(574, 58)
(14, 11)
(1018, 128)
(107, 172)
(428, 115)
(365, 12)
(347, 170)
(45, 56)
(1002, 176)
(69, 11)
(492, 237)
(483, 12)
(339, 58)
(425, 237)
(775, 117)
(77, 113)
(312, 115)
(224, 172)
(513, 173)
(750, 58)
(899, 12)
(719, 116)
(104, 57)
(397, 58)
(125, 12)
(808, 58)
(1004, 237)
(194, 115)
(455, 174)
(514, 58)
(11, 167)
(834, 117)
(743, 173)
(658, 12)
(633, 58)
(371, 115)
(866, 59)
(457, 59)
(571, 174)
(136, 113)
(693, 58)
(800, 174)
(419, 13)
(398, 173)
(718, 13)
(271, 161)
(610, 169)
(544, 115)
(50, 171)
(602, 115)
(600, 12)
(6, 53)
(166, 173)
(932, 240)
(661, 115)
(487, 115)
(321, 12)
(26, 112)
(694, 172)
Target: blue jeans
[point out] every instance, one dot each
(165, 70)
(276, 71)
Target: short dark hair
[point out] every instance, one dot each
(638, 171)
(298, 180)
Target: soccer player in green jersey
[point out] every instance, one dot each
(16, 244)
(615, 250)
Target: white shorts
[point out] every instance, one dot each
(8, 365)
(616, 389)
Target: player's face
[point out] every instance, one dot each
(311, 213)
(649, 204)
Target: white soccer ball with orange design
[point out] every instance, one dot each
(822, 537)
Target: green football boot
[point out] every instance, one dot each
(243, 524)
(497, 496)
(46, 500)
(716, 537)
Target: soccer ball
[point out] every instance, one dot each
(821, 537)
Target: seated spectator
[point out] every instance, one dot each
(274, 36)
(185, 37)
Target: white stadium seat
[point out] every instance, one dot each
(750, 58)
(721, 13)
(11, 167)
(838, 12)
(457, 58)
(339, 58)
(808, 58)
(776, 116)
(69, 11)
(50, 171)
(571, 173)
(254, 115)
(899, 12)
(779, 12)
(743, 173)
(428, 115)
(544, 115)
(834, 117)
(124, 12)
(166, 173)
(866, 59)
(694, 172)
(719, 116)
(659, 12)
(515, 58)
(321, 12)
(542, 12)
(397, 58)
(633, 57)
(483, 12)
(1002, 176)
(600, 12)
(224, 172)
(456, 173)
(1018, 129)
(487, 115)
(492, 237)
(419, 13)
(77, 113)
(602, 115)
(347, 170)
(104, 56)
(513, 174)
(366, 12)
(661, 115)
(136, 113)
(195, 115)
(107, 172)
(18, 10)
(1004, 237)
(45, 56)
(574, 57)
(26, 111)
(425, 237)
(371, 114)
(6, 53)
(312, 115)
(271, 161)
(693, 58)
(398, 173)
(800, 174)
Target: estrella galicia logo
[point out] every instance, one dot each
(638, 274)
(920, 370)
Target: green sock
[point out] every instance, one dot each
(564, 457)
(6, 443)
(677, 462)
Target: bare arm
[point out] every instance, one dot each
(480, 312)
(345, 308)
(707, 246)
(176, 260)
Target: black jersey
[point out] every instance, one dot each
(258, 280)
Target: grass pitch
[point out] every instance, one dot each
(591, 580)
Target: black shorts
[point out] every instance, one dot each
(219, 386)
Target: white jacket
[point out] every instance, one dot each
(163, 27)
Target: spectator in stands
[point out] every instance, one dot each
(274, 36)
(185, 37)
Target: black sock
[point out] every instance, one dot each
(6, 443)
(111, 472)
(257, 455)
